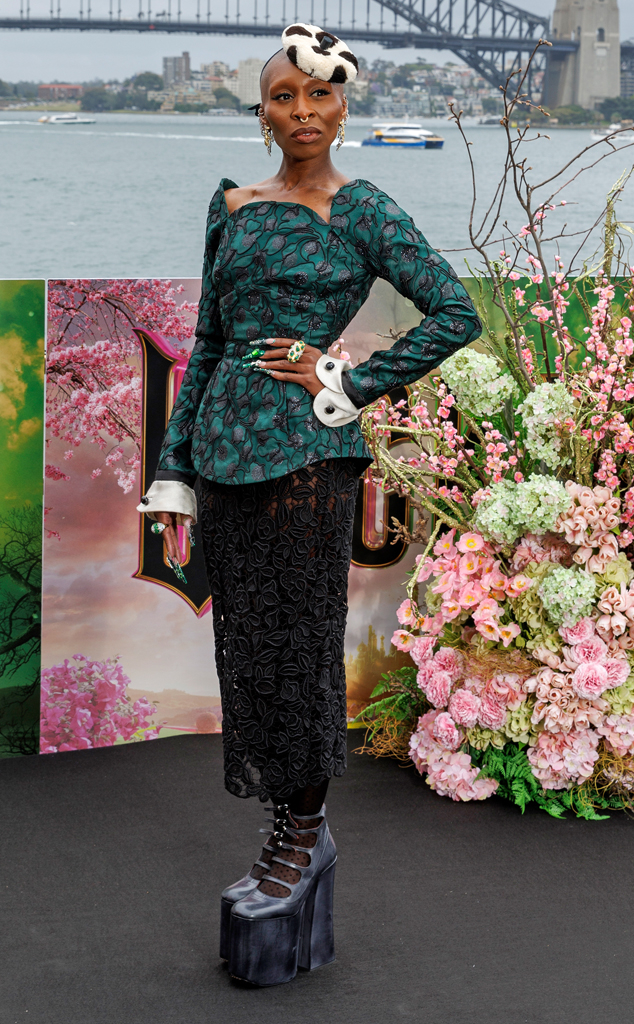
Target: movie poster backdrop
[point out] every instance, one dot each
(128, 650)
(22, 320)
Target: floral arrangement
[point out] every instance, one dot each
(84, 704)
(519, 618)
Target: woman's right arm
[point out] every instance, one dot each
(172, 493)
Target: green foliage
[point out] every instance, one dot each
(512, 770)
(98, 100)
(147, 80)
(401, 703)
(618, 108)
(6, 89)
(224, 98)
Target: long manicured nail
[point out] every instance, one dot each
(254, 355)
(262, 369)
(270, 341)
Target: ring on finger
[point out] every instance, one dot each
(295, 351)
(158, 528)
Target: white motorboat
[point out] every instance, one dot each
(65, 119)
(624, 130)
(404, 134)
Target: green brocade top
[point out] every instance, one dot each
(277, 269)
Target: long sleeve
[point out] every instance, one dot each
(175, 461)
(393, 248)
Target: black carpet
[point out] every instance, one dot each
(112, 862)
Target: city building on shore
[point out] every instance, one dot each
(59, 91)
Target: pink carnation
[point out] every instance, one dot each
(590, 680)
(422, 649)
(491, 715)
(618, 670)
(451, 661)
(439, 688)
(445, 731)
(580, 632)
(464, 707)
(424, 674)
(591, 650)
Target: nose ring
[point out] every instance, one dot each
(303, 119)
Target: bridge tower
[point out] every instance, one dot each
(592, 73)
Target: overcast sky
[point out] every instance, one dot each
(83, 56)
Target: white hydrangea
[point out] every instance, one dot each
(508, 510)
(567, 595)
(540, 410)
(476, 381)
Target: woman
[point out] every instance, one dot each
(269, 423)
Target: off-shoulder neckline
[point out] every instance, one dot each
(282, 202)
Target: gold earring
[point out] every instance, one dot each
(341, 131)
(268, 136)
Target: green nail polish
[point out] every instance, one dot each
(254, 355)
(175, 566)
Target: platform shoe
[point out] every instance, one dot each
(270, 936)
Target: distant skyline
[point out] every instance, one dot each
(83, 56)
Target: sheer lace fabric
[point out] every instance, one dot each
(278, 555)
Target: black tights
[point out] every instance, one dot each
(308, 800)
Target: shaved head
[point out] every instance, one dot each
(279, 63)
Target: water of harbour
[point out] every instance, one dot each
(128, 195)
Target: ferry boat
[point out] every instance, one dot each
(625, 129)
(65, 119)
(404, 134)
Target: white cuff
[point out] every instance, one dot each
(170, 496)
(332, 406)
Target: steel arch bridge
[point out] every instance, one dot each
(492, 36)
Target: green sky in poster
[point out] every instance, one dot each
(21, 392)
(21, 438)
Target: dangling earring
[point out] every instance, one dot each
(268, 136)
(341, 131)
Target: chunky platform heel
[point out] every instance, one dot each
(250, 882)
(270, 936)
(317, 946)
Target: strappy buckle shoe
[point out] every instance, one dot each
(272, 935)
(245, 885)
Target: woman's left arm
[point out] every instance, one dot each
(395, 250)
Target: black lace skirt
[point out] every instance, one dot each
(277, 556)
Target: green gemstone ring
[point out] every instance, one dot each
(295, 351)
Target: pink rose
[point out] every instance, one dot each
(619, 624)
(590, 680)
(439, 688)
(402, 640)
(590, 650)
(445, 731)
(464, 707)
(470, 542)
(489, 628)
(422, 649)
(582, 630)
(585, 496)
(491, 715)
(405, 613)
(618, 670)
(450, 661)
